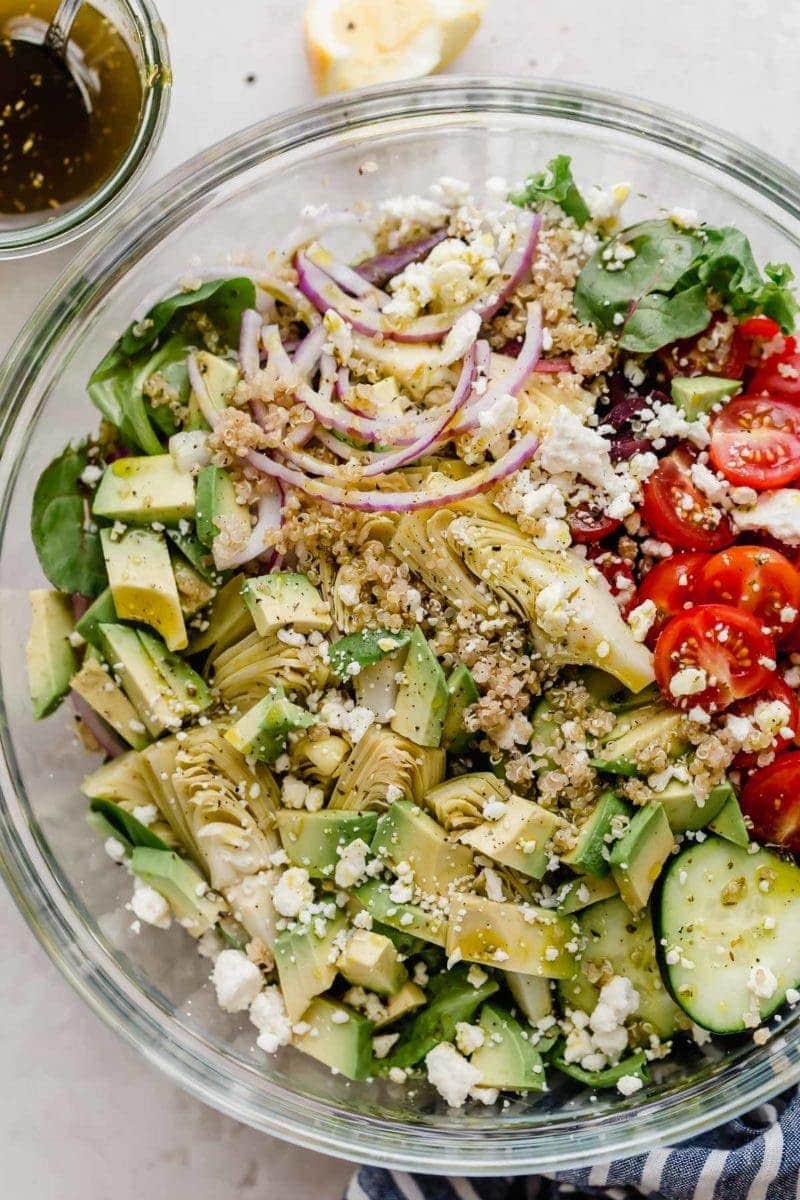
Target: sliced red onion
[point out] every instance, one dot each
(342, 449)
(553, 366)
(453, 492)
(511, 384)
(347, 279)
(518, 264)
(249, 334)
(79, 605)
(310, 464)
(307, 354)
(379, 269)
(268, 520)
(102, 733)
(313, 226)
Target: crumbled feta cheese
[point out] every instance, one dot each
(684, 218)
(293, 792)
(629, 1085)
(476, 976)
(761, 982)
(114, 849)
(451, 1074)
(383, 1043)
(352, 865)
(149, 905)
(145, 814)
(268, 1014)
(688, 682)
(237, 981)
(777, 513)
(493, 810)
(641, 618)
(469, 1038)
(293, 892)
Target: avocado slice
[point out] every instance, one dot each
(682, 809)
(284, 599)
(192, 549)
(181, 885)
(49, 654)
(407, 1000)
(314, 840)
(370, 960)
(264, 729)
(581, 893)
(511, 937)
(143, 584)
(97, 688)
(638, 856)
(219, 378)
(636, 733)
(507, 1059)
(729, 822)
(428, 924)
(139, 491)
(139, 678)
(217, 506)
(407, 834)
(519, 839)
(100, 612)
(532, 995)
(422, 698)
(591, 853)
(194, 592)
(698, 394)
(339, 1036)
(229, 619)
(306, 963)
(462, 692)
(189, 693)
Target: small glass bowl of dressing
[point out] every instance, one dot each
(68, 160)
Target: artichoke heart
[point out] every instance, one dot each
(383, 759)
(124, 781)
(543, 396)
(573, 616)
(457, 804)
(246, 671)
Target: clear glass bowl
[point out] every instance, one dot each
(143, 30)
(244, 195)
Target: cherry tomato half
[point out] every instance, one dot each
(779, 375)
(771, 799)
(759, 327)
(776, 690)
(758, 580)
(677, 511)
(587, 526)
(672, 586)
(734, 657)
(618, 575)
(755, 442)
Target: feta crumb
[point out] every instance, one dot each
(451, 1074)
(641, 619)
(352, 865)
(628, 1085)
(237, 981)
(688, 682)
(382, 1044)
(149, 905)
(268, 1014)
(114, 849)
(476, 976)
(761, 982)
(293, 892)
(469, 1038)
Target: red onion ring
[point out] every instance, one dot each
(524, 366)
(379, 269)
(249, 334)
(453, 492)
(349, 280)
(79, 605)
(308, 351)
(270, 508)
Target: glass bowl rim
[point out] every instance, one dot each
(85, 216)
(629, 1129)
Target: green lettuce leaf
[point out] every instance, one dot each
(554, 183)
(66, 539)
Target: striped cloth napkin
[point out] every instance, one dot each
(756, 1157)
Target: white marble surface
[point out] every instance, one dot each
(81, 1117)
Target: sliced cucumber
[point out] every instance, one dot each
(615, 935)
(725, 917)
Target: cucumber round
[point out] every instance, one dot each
(720, 913)
(614, 934)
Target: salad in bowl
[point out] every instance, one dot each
(437, 614)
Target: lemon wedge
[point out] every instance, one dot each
(354, 43)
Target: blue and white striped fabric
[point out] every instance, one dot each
(756, 1157)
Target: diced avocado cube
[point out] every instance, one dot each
(100, 612)
(306, 963)
(219, 378)
(264, 729)
(507, 1059)
(194, 591)
(580, 893)
(520, 838)
(189, 692)
(143, 584)
(98, 689)
(339, 1036)
(229, 619)
(638, 856)
(591, 853)
(698, 394)
(422, 698)
(139, 678)
(49, 654)
(406, 834)
(532, 995)
(462, 692)
(429, 923)
(637, 733)
(314, 840)
(285, 599)
(511, 937)
(181, 885)
(370, 960)
(218, 510)
(139, 491)
(365, 649)
(729, 822)
(409, 998)
(683, 810)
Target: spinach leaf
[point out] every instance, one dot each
(554, 183)
(365, 649)
(66, 540)
(452, 999)
(727, 265)
(116, 384)
(659, 319)
(130, 831)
